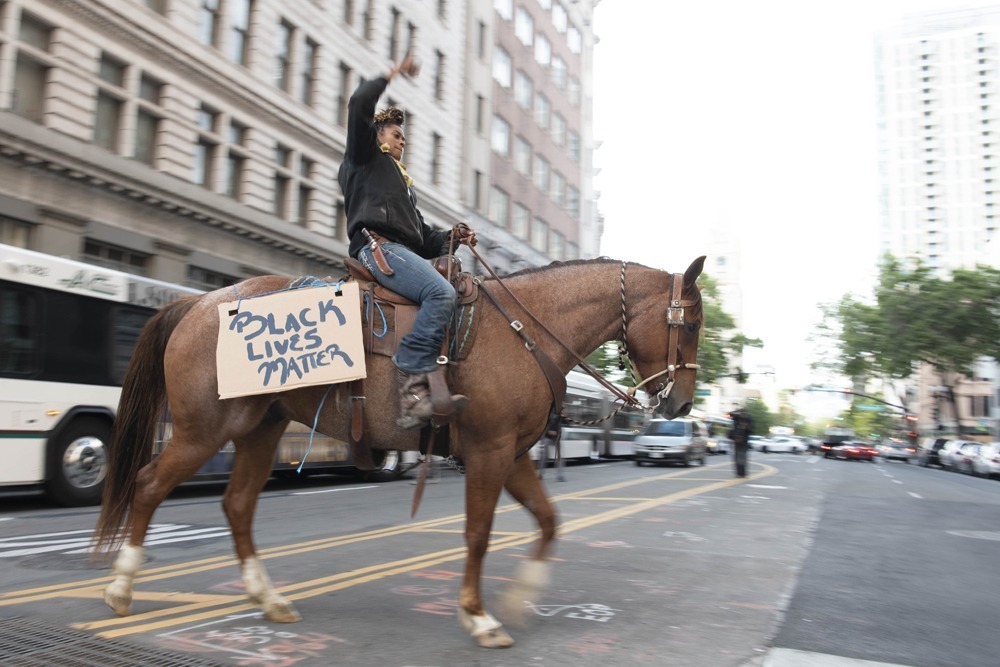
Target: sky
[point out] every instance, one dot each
(756, 120)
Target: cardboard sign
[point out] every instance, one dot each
(296, 338)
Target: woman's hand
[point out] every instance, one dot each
(409, 67)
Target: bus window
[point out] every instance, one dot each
(126, 326)
(18, 332)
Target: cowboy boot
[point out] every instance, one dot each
(415, 407)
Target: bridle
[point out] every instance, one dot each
(675, 320)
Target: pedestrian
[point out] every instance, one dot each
(389, 236)
(740, 435)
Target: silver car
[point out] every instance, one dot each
(987, 461)
(671, 441)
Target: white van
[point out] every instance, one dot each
(671, 441)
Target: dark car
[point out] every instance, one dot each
(854, 451)
(928, 454)
(833, 437)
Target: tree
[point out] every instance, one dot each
(760, 416)
(916, 317)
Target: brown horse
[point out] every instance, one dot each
(584, 303)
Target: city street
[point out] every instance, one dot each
(806, 558)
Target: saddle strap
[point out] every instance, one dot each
(444, 409)
(418, 493)
(360, 452)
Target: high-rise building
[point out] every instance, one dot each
(939, 122)
(198, 141)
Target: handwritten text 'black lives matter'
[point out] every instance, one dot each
(294, 346)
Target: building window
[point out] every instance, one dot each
(369, 18)
(543, 50)
(34, 32)
(574, 91)
(235, 160)
(339, 220)
(207, 279)
(310, 56)
(542, 110)
(557, 243)
(571, 252)
(524, 26)
(282, 179)
(559, 72)
(524, 90)
(480, 113)
(305, 202)
(29, 88)
(505, 8)
(501, 66)
(239, 39)
(147, 122)
(438, 76)
(573, 202)
(110, 101)
(573, 140)
(519, 221)
(559, 17)
(344, 94)
(208, 22)
(394, 36)
(436, 158)
(574, 40)
(481, 40)
(206, 147)
(558, 129)
(114, 257)
(442, 9)
(284, 55)
(500, 136)
(539, 234)
(558, 190)
(477, 188)
(158, 6)
(14, 232)
(522, 156)
(497, 213)
(540, 173)
(411, 38)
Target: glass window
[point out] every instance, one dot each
(111, 71)
(558, 129)
(114, 257)
(571, 252)
(522, 156)
(344, 93)
(283, 52)
(204, 151)
(239, 17)
(542, 109)
(505, 8)
(34, 32)
(539, 234)
(126, 324)
(501, 66)
(500, 136)
(206, 118)
(305, 201)
(14, 232)
(559, 17)
(208, 22)
(310, 56)
(558, 188)
(574, 40)
(543, 50)
(573, 140)
(280, 195)
(524, 26)
(524, 90)
(574, 91)
(146, 128)
(519, 221)
(207, 279)
(19, 331)
(573, 202)
(545, 4)
(436, 157)
(540, 172)
(29, 88)
(107, 121)
(237, 132)
(150, 90)
(556, 244)
(438, 75)
(497, 213)
(234, 175)
(559, 72)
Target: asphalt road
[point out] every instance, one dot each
(807, 562)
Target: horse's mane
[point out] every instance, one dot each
(560, 265)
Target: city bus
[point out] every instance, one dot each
(587, 400)
(67, 331)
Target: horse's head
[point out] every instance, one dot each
(664, 345)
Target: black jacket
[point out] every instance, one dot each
(375, 194)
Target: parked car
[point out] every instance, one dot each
(962, 457)
(947, 454)
(782, 443)
(671, 441)
(833, 437)
(927, 454)
(854, 451)
(896, 450)
(719, 444)
(987, 461)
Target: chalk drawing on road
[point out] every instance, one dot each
(251, 645)
(420, 590)
(78, 541)
(587, 612)
(443, 606)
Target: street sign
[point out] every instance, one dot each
(702, 392)
(870, 407)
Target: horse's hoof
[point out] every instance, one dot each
(282, 612)
(486, 630)
(120, 603)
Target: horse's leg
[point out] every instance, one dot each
(252, 466)
(177, 463)
(532, 575)
(485, 475)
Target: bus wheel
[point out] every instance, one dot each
(78, 462)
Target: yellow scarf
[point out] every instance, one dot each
(402, 167)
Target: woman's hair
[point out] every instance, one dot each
(388, 116)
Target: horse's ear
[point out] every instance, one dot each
(693, 272)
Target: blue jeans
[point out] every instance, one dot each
(416, 279)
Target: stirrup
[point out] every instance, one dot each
(409, 421)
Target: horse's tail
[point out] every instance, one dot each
(143, 399)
